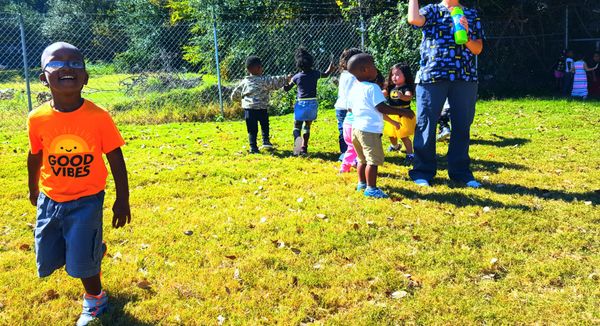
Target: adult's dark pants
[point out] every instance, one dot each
(253, 118)
(430, 101)
(340, 115)
(568, 83)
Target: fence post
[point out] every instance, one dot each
(362, 26)
(362, 34)
(217, 62)
(25, 63)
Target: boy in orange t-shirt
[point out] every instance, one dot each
(67, 176)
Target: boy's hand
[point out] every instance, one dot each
(122, 213)
(33, 197)
(396, 125)
(407, 113)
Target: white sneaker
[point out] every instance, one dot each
(297, 145)
(444, 134)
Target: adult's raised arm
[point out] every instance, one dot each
(414, 17)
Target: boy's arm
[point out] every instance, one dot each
(236, 95)
(34, 163)
(386, 109)
(276, 82)
(121, 209)
(392, 122)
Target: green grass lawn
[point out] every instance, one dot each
(284, 240)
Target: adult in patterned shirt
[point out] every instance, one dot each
(447, 70)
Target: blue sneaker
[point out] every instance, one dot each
(375, 193)
(473, 184)
(361, 186)
(93, 307)
(422, 183)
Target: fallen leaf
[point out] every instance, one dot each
(188, 232)
(50, 295)
(144, 246)
(227, 290)
(117, 256)
(294, 281)
(407, 206)
(321, 216)
(587, 203)
(494, 261)
(355, 226)
(232, 257)
(416, 237)
(144, 284)
(594, 276)
(220, 319)
(296, 251)
(25, 247)
(399, 294)
(31, 226)
(486, 209)
(371, 223)
(317, 266)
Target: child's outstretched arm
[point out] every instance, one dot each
(34, 163)
(276, 82)
(329, 70)
(288, 86)
(236, 94)
(121, 210)
(386, 109)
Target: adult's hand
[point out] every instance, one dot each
(465, 23)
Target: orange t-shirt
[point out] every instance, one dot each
(72, 145)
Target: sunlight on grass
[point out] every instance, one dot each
(271, 238)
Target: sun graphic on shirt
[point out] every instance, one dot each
(68, 142)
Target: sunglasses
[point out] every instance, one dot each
(61, 64)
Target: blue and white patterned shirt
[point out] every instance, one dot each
(441, 57)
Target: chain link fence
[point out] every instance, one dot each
(149, 71)
(159, 72)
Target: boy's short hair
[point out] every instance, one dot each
(253, 61)
(357, 62)
(54, 46)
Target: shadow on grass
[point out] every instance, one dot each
(500, 141)
(512, 189)
(116, 315)
(455, 198)
(326, 156)
(476, 164)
